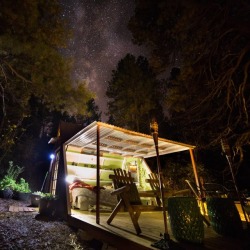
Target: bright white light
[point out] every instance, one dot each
(52, 156)
(70, 178)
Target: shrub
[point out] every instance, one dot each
(22, 186)
(37, 193)
(48, 196)
(9, 180)
(14, 171)
(7, 183)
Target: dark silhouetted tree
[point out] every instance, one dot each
(134, 94)
(32, 37)
(210, 99)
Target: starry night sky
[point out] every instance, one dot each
(100, 40)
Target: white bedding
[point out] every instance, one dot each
(85, 199)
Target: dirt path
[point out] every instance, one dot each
(22, 230)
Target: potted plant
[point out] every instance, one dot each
(22, 190)
(6, 187)
(35, 198)
(47, 205)
(8, 182)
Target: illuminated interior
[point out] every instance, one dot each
(82, 166)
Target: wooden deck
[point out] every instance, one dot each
(121, 233)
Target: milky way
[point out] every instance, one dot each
(100, 40)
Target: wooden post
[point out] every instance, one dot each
(197, 181)
(195, 171)
(98, 175)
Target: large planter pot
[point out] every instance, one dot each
(47, 207)
(35, 200)
(6, 193)
(21, 196)
(185, 219)
(224, 216)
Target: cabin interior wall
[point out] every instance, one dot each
(83, 167)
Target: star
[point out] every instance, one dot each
(100, 40)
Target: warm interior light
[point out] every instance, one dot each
(133, 167)
(70, 178)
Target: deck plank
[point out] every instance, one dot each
(152, 226)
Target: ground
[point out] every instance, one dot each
(25, 230)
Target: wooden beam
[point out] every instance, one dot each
(98, 174)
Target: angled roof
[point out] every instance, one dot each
(116, 140)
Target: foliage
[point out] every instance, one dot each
(13, 171)
(48, 196)
(7, 183)
(212, 92)
(9, 179)
(33, 35)
(22, 186)
(37, 193)
(177, 172)
(154, 26)
(133, 93)
(92, 114)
